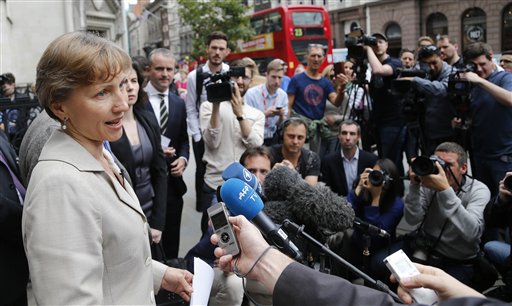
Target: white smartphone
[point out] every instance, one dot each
(401, 267)
(219, 214)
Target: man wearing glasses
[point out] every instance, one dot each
(438, 110)
(506, 60)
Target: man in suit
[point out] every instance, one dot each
(340, 169)
(13, 262)
(171, 114)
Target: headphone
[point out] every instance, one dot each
(290, 121)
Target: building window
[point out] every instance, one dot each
(506, 29)
(437, 25)
(394, 34)
(474, 26)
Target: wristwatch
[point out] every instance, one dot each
(240, 118)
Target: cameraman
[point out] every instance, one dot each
(498, 213)
(388, 125)
(491, 113)
(447, 208)
(228, 129)
(8, 86)
(438, 110)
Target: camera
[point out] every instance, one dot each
(219, 87)
(354, 42)
(376, 177)
(458, 85)
(424, 165)
(507, 182)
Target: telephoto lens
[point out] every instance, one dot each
(424, 165)
(376, 178)
(508, 183)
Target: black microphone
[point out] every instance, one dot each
(241, 199)
(317, 207)
(370, 228)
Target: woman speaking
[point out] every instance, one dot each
(85, 234)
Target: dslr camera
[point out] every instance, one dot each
(377, 177)
(219, 88)
(424, 165)
(354, 42)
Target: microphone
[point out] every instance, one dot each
(318, 208)
(241, 199)
(370, 228)
(236, 170)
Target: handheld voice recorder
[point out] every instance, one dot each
(219, 214)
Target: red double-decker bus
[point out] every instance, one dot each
(285, 32)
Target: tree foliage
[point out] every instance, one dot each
(205, 17)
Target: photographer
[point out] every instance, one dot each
(10, 123)
(447, 208)
(491, 113)
(228, 129)
(498, 213)
(438, 110)
(389, 126)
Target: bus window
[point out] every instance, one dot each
(307, 18)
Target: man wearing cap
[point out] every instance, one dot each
(271, 100)
(389, 128)
(438, 111)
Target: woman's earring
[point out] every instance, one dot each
(63, 124)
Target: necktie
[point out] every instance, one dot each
(17, 183)
(164, 114)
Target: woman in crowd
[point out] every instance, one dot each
(85, 234)
(181, 83)
(377, 200)
(140, 152)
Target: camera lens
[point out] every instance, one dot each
(508, 183)
(423, 165)
(376, 178)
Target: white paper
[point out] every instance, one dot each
(165, 141)
(202, 283)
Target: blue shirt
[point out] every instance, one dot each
(350, 167)
(492, 121)
(285, 82)
(259, 98)
(310, 95)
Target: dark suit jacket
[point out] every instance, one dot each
(333, 172)
(177, 132)
(158, 169)
(301, 285)
(13, 262)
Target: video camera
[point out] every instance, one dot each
(354, 42)
(457, 85)
(219, 87)
(410, 99)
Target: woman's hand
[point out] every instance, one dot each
(178, 281)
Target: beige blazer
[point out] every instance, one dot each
(85, 236)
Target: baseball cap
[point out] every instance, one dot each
(380, 35)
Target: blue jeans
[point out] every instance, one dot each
(498, 252)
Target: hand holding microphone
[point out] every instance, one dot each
(241, 199)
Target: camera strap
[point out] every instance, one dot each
(425, 218)
(199, 85)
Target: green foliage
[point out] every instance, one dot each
(205, 17)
